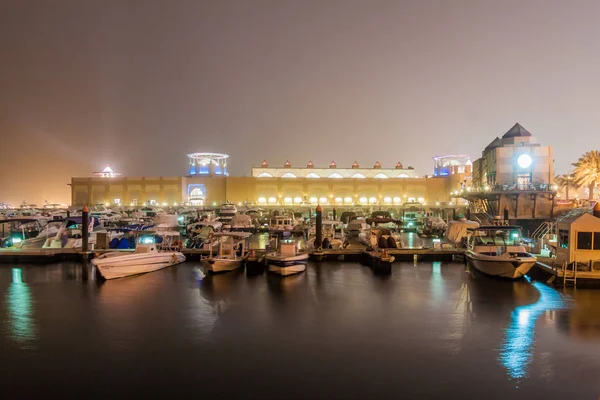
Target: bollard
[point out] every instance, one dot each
(319, 227)
(84, 229)
(334, 214)
(68, 213)
(415, 259)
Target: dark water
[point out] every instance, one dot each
(334, 332)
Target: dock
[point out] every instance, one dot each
(51, 255)
(557, 274)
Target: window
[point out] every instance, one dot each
(265, 175)
(563, 238)
(596, 240)
(312, 175)
(584, 240)
(358, 176)
(288, 175)
(335, 175)
(380, 176)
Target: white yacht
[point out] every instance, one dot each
(287, 260)
(499, 251)
(281, 223)
(226, 212)
(146, 258)
(232, 252)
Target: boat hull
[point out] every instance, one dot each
(216, 265)
(286, 265)
(135, 264)
(513, 268)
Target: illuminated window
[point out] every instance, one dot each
(272, 200)
(313, 200)
(402, 176)
(387, 200)
(265, 175)
(335, 175)
(363, 200)
(348, 200)
(397, 200)
(262, 200)
(288, 175)
(338, 200)
(297, 200)
(358, 176)
(380, 176)
(372, 200)
(312, 175)
(117, 201)
(287, 200)
(323, 200)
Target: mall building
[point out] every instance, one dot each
(208, 183)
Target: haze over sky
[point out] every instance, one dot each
(138, 84)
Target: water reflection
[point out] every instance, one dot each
(517, 348)
(20, 319)
(582, 322)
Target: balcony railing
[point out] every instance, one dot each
(539, 187)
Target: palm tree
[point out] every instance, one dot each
(566, 182)
(587, 171)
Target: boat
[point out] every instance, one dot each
(226, 212)
(148, 256)
(232, 252)
(499, 251)
(281, 223)
(287, 259)
(413, 214)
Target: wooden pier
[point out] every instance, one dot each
(566, 277)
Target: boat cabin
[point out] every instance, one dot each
(281, 223)
(232, 245)
(495, 240)
(579, 241)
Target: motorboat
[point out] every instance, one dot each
(332, 235)
(413, 214)
(226, 212)
(69, 235)
(25, 233)
(281, 223)
(499, 251)
(232, 252)
(147, 257)
(287, 259)
(201, 234)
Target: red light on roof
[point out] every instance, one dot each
(354, 164)
(264, 164)
(332, 165)
(287, 164)
(377, 165)
(310, 165)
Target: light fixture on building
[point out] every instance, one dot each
(524, 160)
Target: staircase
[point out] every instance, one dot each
(572, 273)
(542, 230)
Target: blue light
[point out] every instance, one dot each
(517, 347)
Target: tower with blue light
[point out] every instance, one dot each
(207, 164)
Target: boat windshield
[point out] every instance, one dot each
(497, 237)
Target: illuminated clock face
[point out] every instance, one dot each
(524, 160)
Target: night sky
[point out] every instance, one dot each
(138, 84)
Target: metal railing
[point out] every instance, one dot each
(540, 187)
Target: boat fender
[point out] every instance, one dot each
(174, 258)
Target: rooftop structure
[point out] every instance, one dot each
(333, 171)
(208, 164)
(451, 164)
(107, 172)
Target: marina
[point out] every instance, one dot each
(524, 337)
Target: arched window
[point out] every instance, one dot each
(288, 175)
(380, 176)
(265, 175)
(335, 175)
(358, 176)
(312, 175)
(402, 176)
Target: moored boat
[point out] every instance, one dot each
(287, 260)
(499, 251)
(232, 252)
(146, 258)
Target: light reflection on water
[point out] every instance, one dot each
(20, 318)
(517, 348)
